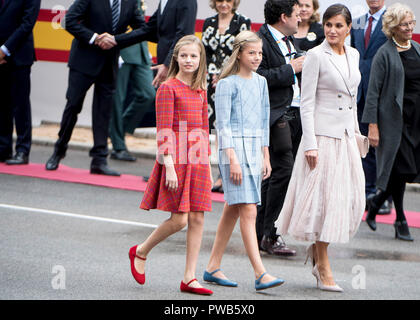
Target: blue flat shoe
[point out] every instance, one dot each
(208, 276)
(271, 284)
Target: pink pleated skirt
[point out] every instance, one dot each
(327, 203)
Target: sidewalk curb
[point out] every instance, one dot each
(149, 154)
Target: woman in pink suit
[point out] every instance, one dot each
(325, 199)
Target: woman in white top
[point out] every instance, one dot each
(325, 200)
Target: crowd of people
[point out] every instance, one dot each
(310, 131)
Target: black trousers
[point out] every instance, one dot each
(15, 108)
(79, 84)
(285, 138)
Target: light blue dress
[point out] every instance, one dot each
(242, 123)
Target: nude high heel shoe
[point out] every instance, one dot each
(320, 285)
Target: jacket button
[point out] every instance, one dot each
(339, 95)
(350, 108)
(340, 108)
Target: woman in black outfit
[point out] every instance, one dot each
(393, 113)
(310, 32)
(219, 31)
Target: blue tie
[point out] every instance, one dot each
(115, 15)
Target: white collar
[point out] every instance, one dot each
(377, 15)
(277, 34)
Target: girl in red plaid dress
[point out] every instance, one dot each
(180, 181)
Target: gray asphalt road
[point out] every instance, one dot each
(69, 241)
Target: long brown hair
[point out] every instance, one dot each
(199, 80)
(241, 40)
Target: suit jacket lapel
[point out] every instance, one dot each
(164, 9)
(123, 11)
(107, 10)
(273, 42)
(5, 4)
(346, 80)
(361, 34)
(376, 33)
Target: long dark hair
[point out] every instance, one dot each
(335, 10)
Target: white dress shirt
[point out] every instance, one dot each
(376, 16)
(278, 36)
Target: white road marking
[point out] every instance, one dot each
(74, 215)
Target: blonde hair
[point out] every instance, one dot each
(393, 16)
(199, 80)
(234, 7)
(315, 16)
(241, 40)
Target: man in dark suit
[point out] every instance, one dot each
(134, 96)
(17, 54)
(367, 37)
(172, 20)
(89, 64)
(280, 67)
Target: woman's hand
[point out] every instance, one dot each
(312, 158)
(373, 135)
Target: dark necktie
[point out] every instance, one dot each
(368, 32)
(115, 15)
(286, 39)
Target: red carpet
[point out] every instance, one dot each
(136, 183)
(67, 174)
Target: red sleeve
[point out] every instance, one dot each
(165, 101)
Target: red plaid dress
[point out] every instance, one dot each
(183, 132)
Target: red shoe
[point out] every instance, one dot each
(186, 288)
(140, 277)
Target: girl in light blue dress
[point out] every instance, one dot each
(242, 124)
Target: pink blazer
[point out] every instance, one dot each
(328, 98)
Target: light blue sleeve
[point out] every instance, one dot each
(223, 106)
(266, 114)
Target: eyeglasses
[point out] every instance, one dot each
(408, 24)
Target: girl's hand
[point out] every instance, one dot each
(171, 181)
(312, 158)
(266, 164)
(373, 135)
(211, 176)
(266, 168)
(236, 173)
(235, 167)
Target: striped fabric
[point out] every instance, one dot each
(115, 14)
(183, 132)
